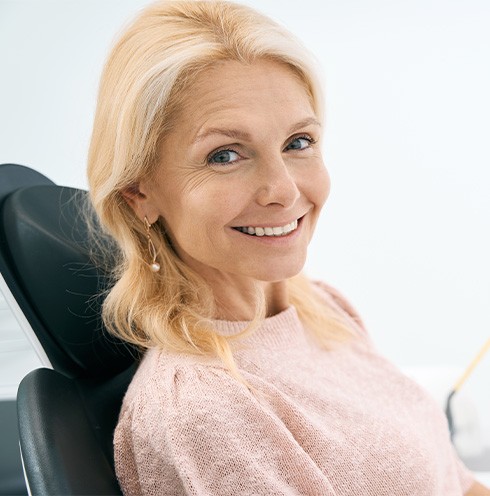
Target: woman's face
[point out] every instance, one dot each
(241, 180)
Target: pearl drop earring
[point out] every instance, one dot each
(154, 265)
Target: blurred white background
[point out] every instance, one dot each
(406, 231)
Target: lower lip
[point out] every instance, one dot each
(274, 240)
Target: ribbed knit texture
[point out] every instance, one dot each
(339, 422)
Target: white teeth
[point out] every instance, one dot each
(269, 231)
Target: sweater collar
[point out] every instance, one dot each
(284, 328)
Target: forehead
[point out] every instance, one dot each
(236, 93)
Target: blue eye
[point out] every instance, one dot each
(299, 143)
(223, 157)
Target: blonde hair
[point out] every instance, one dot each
(144, 83)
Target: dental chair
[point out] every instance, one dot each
(68, 410)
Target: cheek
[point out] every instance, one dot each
(220, 201)
(203, 214)
(326, 184)
(319, 187)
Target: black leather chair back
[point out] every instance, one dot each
(66, 415)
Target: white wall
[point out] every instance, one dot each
(406, 232)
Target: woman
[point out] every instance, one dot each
(205, 166)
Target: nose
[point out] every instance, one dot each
(276, 184)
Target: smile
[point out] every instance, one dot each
(269, 231)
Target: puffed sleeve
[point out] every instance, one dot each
(198, 431)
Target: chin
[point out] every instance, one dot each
(277, 274)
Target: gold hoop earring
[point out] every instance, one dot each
(154, 265)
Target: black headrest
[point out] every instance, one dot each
(50, 252)
(15, 176)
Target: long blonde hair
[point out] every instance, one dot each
(145, 81)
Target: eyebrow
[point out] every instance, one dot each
(244, 136)
(231, 133)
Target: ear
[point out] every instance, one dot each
(140, 202)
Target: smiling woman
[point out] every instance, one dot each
(206, 168)
(165, 167)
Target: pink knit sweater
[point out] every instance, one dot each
(341, 422)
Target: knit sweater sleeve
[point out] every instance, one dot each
(198, 431)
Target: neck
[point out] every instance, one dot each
(235, 302)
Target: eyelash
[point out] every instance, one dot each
(209, 158)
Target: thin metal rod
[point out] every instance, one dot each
(472, 365)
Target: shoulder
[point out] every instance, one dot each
(168, 386)
(336, 299)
